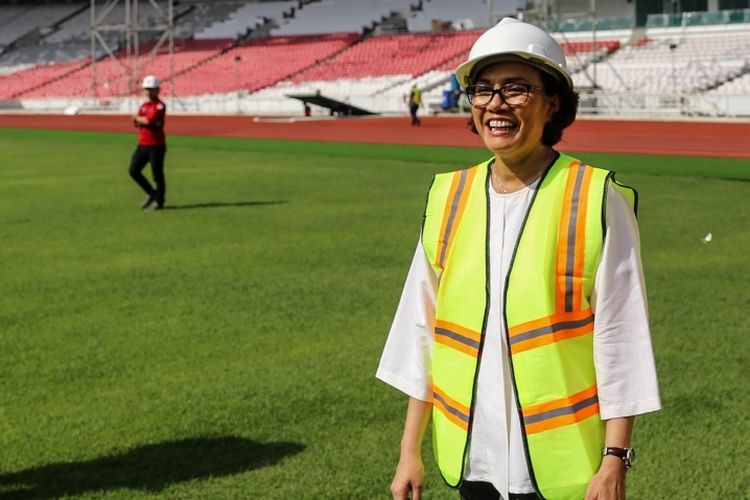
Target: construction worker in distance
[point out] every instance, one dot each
(415, 101)
(522, 331)
(152, 146)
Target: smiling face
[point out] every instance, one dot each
(513, 132)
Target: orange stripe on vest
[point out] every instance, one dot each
(450, 408)
(571, 239)
(458, 194)
(457, 337)
(543, 331)
(560, 412)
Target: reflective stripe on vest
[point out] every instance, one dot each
(547, 312)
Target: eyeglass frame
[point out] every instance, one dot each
(499, 91)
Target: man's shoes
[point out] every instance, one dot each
(148, 201)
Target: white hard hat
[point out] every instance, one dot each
(514, 40)
(151, 82)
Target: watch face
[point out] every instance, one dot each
(630, 456)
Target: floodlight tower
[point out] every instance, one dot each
(123, 17)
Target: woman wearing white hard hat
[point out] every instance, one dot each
(152, 146)
(522, 331)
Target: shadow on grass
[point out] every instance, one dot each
(734, 179)
(226, 204)
(149, 467)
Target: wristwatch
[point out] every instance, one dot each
(626, 454)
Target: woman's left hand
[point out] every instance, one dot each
(609, 482)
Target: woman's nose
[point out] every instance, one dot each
(497, 101)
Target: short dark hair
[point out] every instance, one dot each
(565, 114)
(562, 118)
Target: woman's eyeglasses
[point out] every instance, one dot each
(512, 94)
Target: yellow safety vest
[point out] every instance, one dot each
(548, 317)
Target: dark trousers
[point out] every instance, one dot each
(477, 490)
(155, 156)
(413, 112)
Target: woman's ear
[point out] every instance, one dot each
(554, 107)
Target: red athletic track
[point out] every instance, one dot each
(718, 139)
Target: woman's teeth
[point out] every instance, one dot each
(496, 124)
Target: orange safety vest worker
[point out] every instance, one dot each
(547, 312)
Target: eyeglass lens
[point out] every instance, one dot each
(513, 94)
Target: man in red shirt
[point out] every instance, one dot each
(152, 145)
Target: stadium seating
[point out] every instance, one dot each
(730, 16)
(336, 47)
(467, 14)
(16, 21)
(15, 84)
(78, 27)
(260, 63)
(673, 62)
(410, 54)
(384, 65)
(248, 16)
(332, 16)
(738, 86)
(47, 52)
(200, 15)
(112, 80)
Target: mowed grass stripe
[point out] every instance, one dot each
(243, 329)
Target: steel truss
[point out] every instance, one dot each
(128, 55)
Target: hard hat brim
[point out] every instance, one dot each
(467, 71)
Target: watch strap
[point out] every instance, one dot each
(625, 454)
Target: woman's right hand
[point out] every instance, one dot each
(410, 471)
(409, 477)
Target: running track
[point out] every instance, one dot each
(683, 138)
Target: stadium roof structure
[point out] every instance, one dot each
(332, 104)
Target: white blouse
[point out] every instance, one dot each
(623, 357)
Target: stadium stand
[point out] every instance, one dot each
(465, 15)
(673, 61)
(19, 21)
(739, 85)
(113, 82)
(25, 80)
(410, 54)
(333, 16)
(78, 27)
(380, 66)
(388, 66)
(261, 63)
(247, 17)
(200, 15)
(263, 50)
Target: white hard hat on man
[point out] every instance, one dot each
(151, 82)
(514, 40)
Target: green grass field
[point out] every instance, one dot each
(226, 348)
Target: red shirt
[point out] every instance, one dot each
(153, 133)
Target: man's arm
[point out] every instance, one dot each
(153, 118)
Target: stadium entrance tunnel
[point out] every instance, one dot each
(337, 108)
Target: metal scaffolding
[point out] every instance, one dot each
(548, 15)
(123, 17)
